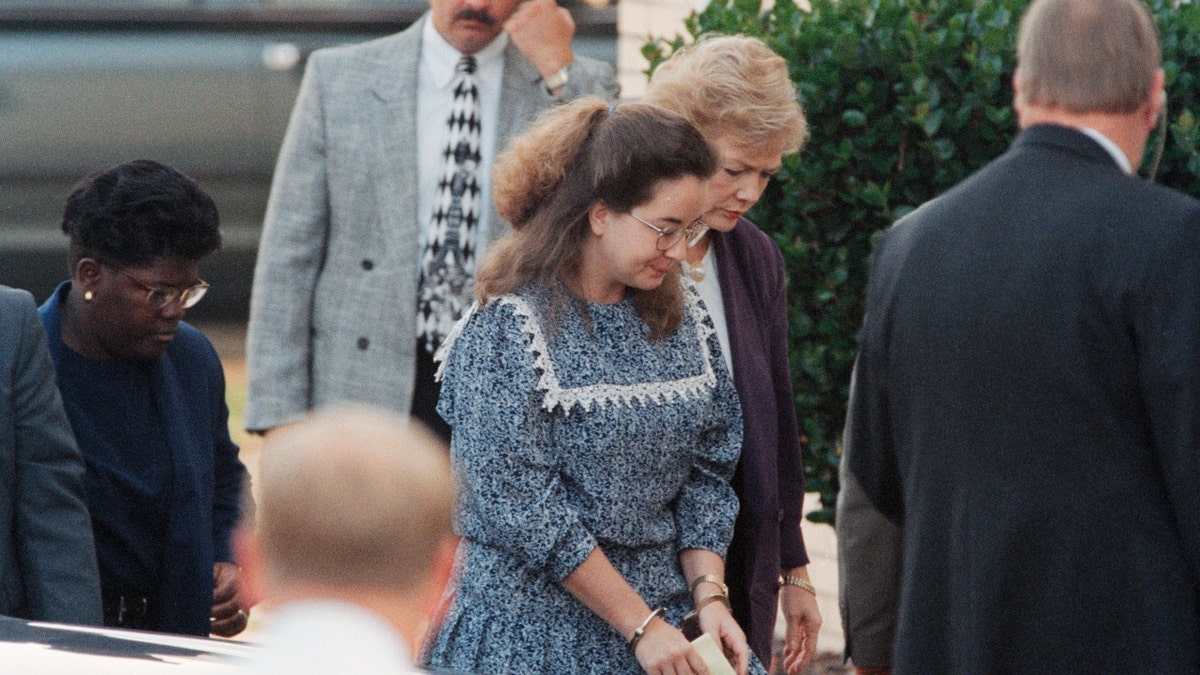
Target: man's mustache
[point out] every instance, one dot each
(475, 15)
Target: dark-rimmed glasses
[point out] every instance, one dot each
(159, 298)
(668, 237)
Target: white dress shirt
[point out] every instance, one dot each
(317, 637)
(1113, 149)
(710, 294)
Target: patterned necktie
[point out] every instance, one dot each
(448, 260)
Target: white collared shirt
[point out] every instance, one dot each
(315, 637)
(435, 92)
(1113, 149)
(710, 292)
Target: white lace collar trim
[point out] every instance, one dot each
(602, 393)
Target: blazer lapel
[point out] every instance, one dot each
(393, 158)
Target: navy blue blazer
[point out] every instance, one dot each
(770, 475)
(207, 476)
(47, 560)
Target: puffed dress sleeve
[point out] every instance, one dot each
(510, 487)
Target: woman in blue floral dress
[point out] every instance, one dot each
(595, 425)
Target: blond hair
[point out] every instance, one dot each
(353, 496)
(735, 86)
(574, 156)
(1087, 55)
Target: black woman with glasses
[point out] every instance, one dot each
(145, 394)
(594, 425)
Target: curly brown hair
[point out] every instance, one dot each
(574, 156)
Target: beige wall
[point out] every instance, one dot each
(637, 20)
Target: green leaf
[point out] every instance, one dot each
(933, 121)
(854, 118)
(873, 196)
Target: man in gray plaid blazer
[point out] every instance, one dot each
(333, 310)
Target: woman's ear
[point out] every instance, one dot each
(598, 217)
(87, 273)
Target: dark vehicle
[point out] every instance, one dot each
(206, 87)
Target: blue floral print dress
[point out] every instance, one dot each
(572, 438)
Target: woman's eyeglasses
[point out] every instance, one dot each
(159, 298)
(670, 236)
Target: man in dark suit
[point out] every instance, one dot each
(47, 558)
(1021, 477)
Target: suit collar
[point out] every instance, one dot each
(1067, 139)
(1110, 147)
(393, 64)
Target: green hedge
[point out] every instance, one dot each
(904, 99)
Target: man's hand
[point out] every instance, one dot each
(542, 31)
(228, 617)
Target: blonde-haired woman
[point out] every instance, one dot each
(595, 427)
(739, 95)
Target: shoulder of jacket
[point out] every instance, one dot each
(379, 47)
(192, 344)
(14, 297)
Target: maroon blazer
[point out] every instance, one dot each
(770, 475)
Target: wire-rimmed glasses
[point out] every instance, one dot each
(158, 298)
(668, 237)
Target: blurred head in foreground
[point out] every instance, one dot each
(355, 506)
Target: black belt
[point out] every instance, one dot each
(126, 611)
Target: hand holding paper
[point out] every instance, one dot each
(714, 659)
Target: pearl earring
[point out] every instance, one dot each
(88, 295)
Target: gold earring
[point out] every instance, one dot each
(88, 295)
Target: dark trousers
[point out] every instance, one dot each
(129, 611)
(425, 394)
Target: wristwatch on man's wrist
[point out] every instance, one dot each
(557, 79)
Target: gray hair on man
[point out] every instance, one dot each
(1086, 56)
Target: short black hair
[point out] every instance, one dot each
(134, 213)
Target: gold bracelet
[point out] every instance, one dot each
(712, 579)
(641, 630)
(715, 596)
(789, 580)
